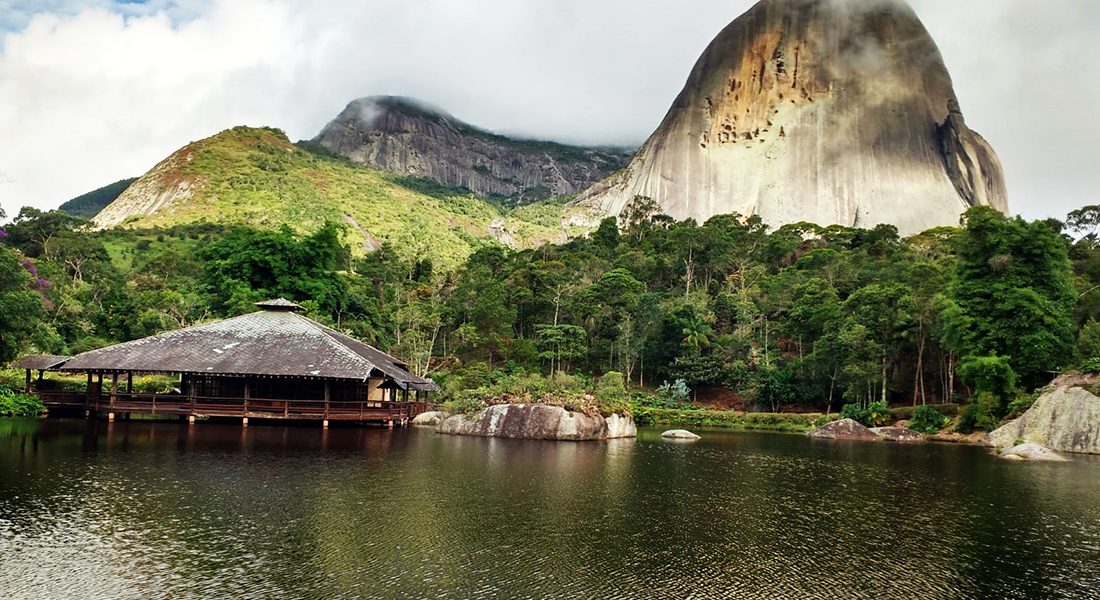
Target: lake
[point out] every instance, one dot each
(141, 509)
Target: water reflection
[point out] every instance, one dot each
(143, 509)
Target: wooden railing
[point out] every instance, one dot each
(215, 406)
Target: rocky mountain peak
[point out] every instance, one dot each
(410, 137)
(828, 111)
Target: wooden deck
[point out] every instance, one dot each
(122, 403)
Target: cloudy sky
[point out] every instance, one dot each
(92, 91)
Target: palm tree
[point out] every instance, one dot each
(697, 334)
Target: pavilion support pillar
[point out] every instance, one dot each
(129, 382)
(27, 387)
(247, 395)
(191, 399)
(114, 396)
(328, 396)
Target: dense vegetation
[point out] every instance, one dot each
(804, 318)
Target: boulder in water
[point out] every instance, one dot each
(844, 429)
(1065, 419)
(680, 434)
(1029, 451)
(538, 422)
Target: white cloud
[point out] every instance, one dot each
(91, 92)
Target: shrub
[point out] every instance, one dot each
(671, 395)
(463, 405)
(611, 394)
(875, 414)
(18, 404)
(854, 412)
(926, 419)
(980, 414)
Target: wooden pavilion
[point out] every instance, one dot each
(269, 364)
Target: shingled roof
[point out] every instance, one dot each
(39, 362)
(275, 341)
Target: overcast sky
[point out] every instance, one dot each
(92, 91)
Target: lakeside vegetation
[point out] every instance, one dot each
(803, 319)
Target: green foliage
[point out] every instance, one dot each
(926, 419)
(611, 394)
(979, 414)
(1013, 295)
(18, 404)
(875, 414)
(788, 422)
(991, 376)
(670, 395)
(21, 305)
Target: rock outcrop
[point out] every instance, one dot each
(826, 111)
(538, 422)
(844, 429)
(1066, 419)
(408, 137)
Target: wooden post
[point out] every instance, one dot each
(27, 388)
(129, 382)
(327, 397)
(114, 396)
(191, 399)
(247, 395)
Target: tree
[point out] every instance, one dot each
(697, 334)
(560, 344)
(21, 308)
(1013, 293)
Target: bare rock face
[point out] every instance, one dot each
(159, 189)
(410, 138)
(1066, 419)
(827, 111)
(538, 422)
(844, 429)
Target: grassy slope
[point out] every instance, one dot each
(257, 176)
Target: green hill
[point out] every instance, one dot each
(258, 177)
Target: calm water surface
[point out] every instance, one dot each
(150, 510)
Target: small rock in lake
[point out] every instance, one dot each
(1031, 451)
(679, 434)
